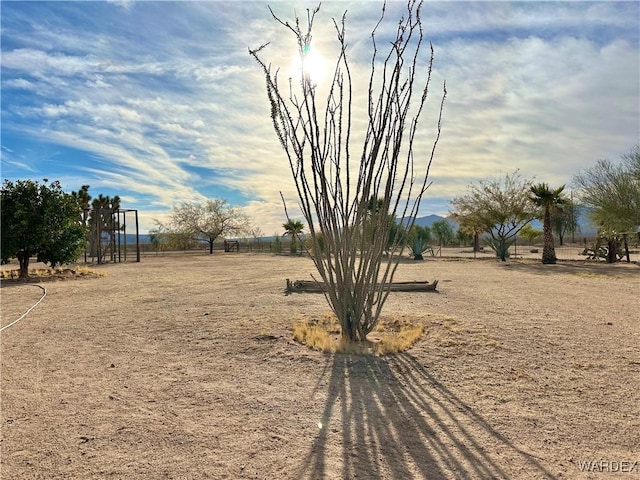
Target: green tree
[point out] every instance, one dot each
(276, 245)
(462, 238)
(548, 200)
(211, 220)
(499, 207)
(611, 191)
(443, 231)
(470, 224)
(565, 220)
(293, 228)
(39, 219)
(529, 233)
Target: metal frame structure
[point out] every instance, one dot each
(117, 234)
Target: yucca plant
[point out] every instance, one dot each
(501, 247)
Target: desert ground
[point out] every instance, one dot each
(184, 367)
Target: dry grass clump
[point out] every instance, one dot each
(8, 274)
(318, 333)
(398, 335)
(390, 336)
(53, 273)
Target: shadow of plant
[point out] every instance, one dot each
(392, 419)
(579, 268)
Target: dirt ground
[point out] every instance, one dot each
(183, 367)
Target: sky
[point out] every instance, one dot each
(161, 103)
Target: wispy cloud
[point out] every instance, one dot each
(126, 4)
(161, 102)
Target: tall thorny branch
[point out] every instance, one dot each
(317, 140)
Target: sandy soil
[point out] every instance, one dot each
(183, 367)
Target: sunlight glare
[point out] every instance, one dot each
(312, 65)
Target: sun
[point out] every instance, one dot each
(310, 65)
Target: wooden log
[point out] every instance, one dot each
(310, 286)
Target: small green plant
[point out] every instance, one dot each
(443, 231)
(419, 241)
(501, 247)
(276, 245)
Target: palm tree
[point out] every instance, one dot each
(549, 200)
(293, 228)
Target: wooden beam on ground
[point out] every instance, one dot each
(310, 286)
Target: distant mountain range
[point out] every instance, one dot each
(429, 220)
(130, 239)
(585, 227)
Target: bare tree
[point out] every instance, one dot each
(335, 182)
(211, 220)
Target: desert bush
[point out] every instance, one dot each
(57, 272)
(311, 244)
(276, 245)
